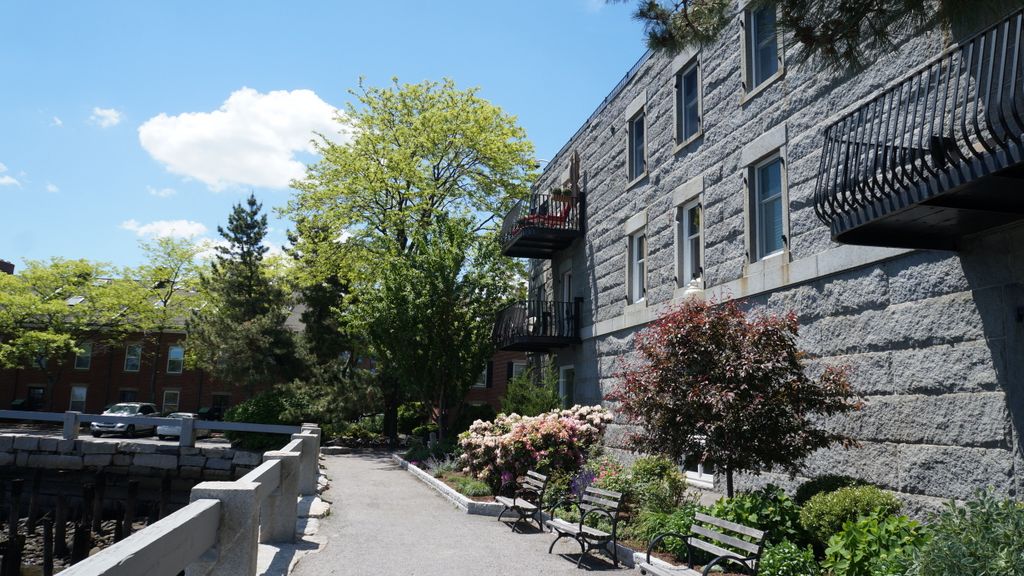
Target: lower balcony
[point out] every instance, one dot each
(538, 326)
(936, 157)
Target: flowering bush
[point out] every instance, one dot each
(501, 450)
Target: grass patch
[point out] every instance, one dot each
(467, 486)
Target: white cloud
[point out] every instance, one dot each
(161, 192)
(105, 117)
(52, 188)
(56, 122)
(251, 140)
(7, 179)
(164, 228)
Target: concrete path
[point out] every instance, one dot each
(385, 521)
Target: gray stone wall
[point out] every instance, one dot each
(130, 458)
(931, 338)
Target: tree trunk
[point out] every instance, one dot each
(156, 368)
(728, 481)
(391, 412)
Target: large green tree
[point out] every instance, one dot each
(50, 311)
(418, 192)
(239, 334)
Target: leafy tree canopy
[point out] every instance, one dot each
(712, 383)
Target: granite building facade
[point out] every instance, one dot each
(878, 205)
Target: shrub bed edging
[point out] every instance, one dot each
(463, 503)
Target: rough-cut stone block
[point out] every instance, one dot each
(55, 461)
(192, 472)
(248, 458)
(188, 451)
(218, 453)
(142, 471)
(99, 447)
(21, 460)
(48, 444)
(137, 448)
(122, 459)
(159, 461)
(26, 442)
(189, 460)
(97, 460)
(209, 474)
(66, 446)
(6, 458)
(218, 464)
(6, 443)
(954, 472)
(968, 367)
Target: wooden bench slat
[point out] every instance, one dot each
(608, 493)
(536, 476)
(574, 528)
(529, 482)
(709, 547)
(752, 532)
(725, 538)
(601, 502)
(655, 570)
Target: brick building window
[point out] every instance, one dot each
(133, 358)
(77, 403)
(171, 401)
(175, 359)
(83, 360)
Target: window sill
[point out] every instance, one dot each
(692, 290)
(680, 146)
(634, 307)
(768, 262)
(636, 180)
(748, 96)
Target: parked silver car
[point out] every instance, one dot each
(173, 429)
(125, 409)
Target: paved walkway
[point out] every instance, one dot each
(385, 521)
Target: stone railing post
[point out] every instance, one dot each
(187, 434)
(309, 467)
(237, 535)
(315, 430)
(281, 509)
(72, 421)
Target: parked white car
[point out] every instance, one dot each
(173, 429)
(125, 409)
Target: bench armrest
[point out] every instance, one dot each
(564, 502)
(614, 518)
(723, 558)
(658, 538)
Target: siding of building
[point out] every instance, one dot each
(934, 339)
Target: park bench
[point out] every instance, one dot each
(725, 541)
(594, 504)
(527, 500)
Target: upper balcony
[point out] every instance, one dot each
(538, 326)
(935, 157)
(543, 225)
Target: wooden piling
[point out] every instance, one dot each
(80, 542)
(130, 506)
(97, 503)
(47, 546)
(33, 501)
(165, 495)
(60, 519)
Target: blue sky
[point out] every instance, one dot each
(124, 120)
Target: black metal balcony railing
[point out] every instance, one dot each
(537, 325)
(542, 225)
(933, 157)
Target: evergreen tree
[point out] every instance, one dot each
(240, 336)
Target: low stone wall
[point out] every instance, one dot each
(127, 457)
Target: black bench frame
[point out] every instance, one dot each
(592, 502)
(698, 538)
(527, 499)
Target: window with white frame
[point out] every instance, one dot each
(688, 102)
(175, 359)
(78, 394)
(481, 380)
(83, 359)
(172, 399)
(689, 232)
(637, 149)
(133, 358)
(637, 267)
(767, 208)
(518, 368)
(762, 45)
(567, 385)
(699, 473)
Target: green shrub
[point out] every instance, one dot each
(876, 545)
(423, 431)
(265, 408)
(468, 486)
(826, 483)
(985, 536)
(411, 415)
(650, 523)
(656, 484)
(826, 513)
(767, 509)
(787, 559)
(527, 397)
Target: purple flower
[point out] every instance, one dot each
(580, 482)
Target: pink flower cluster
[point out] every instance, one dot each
(512, 444)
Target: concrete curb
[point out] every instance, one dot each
(460, 501)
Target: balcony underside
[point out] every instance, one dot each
(538, 242)
(937, 212)
(525, 343)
